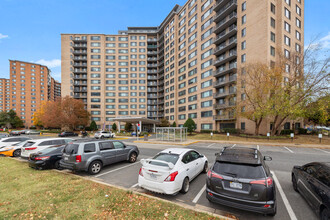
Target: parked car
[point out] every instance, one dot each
(31, 132)
(3, 136)
(312, 181)
(34, 146)
(14, 133)
(13, 150)
(91, 155)
(67, 134)
(104, 134)
(12, 140)
(241, 179)
(47, 158)
(171, 170)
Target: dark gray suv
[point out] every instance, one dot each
(91, 155)
(240, 178)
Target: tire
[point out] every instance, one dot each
(185, 186)
(17, 153)
(95, 167)
(132, 157)
(325, 214)
(101, 137)
(294, 183)
(57, 165)
(206, 167)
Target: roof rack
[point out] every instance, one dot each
(239, 155)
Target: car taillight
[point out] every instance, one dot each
(211, 174)
(171, 177)
(140, 172)
(78, 158)
(30, 148)
(41, 158)
(266, 182)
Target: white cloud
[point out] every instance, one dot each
(2, 36)
(325, 41)
(49, 63)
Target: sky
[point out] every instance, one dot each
(30, 30)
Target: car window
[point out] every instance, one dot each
(187, 158)
(194, 155)
(45, 143)
(118, 145)
(24, 138)
(57, 142)
(105, 145)
(239, 170)
(29, 144)
(68, 140)
(88, 148)
(323, 175)
(71, 149)
(170, 158)
(311, 169)
(10, 140)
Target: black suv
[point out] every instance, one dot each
(241, 179)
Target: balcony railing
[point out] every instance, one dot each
(224, 117)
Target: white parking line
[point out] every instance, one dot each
(285, 200)
(195, 200)
(117, 169)
(210, 145)
(258, 147)
(289, 150)
(233, 146)
(135, 185)
(322, 150)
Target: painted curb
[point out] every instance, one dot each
(164, 143)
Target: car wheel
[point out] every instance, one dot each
(185, 186)
(95, 167)
(325, 215)
(101, 137)
(294, 183)
(206, 167)
(57, 165)
(17, 153)
(132, 157)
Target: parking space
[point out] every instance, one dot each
(290, 204)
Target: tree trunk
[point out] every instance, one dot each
(277, 125)
(257, 122)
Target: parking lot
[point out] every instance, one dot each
(290, 204)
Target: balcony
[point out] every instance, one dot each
(220, 95)
(220, 83)
(80, 83)
(160, 89)
(152, 59)
(160, 82)
(79, 45)
(225, 10)
(151, 71)
(226, 22)
(79, 52)
(160, 102)
(228, 117)
(224, 47)
(80, 58)
(152, 65)
(80, 78)
(78, 39)
(152, 77)
(79, 64)
(224, 106)
(152, 46)
(80, 70)
(151, 84)
(225, 59)
(152, 52)
(152, 39)
(232, 31)
(80, 96)
(161, 76)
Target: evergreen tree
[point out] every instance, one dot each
(93, 126)
(190, 125)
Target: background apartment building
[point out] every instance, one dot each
(30, 85)
(189, 66)
(4, 94)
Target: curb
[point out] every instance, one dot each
(193, 208)
(170, 143)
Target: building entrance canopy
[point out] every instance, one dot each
(137, 120)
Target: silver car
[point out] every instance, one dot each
(91, 155)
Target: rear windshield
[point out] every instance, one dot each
(239, 170)
(19, 143)
(29, 143)
(71, 149)
(170, 158)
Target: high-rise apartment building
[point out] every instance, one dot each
(189, 66)
(30, 85)
(4, 94)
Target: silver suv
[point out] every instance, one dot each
(104, 134)
(91, 155)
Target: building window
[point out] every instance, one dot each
(287, 27)
(243, 6)
(298, 23)
(243, 19)
(287, 13)
(243, 58)
(206, 126)
(287, 40)
(243, 126)
(272, 37)
(286, 53)
(288, 2)
(272, 51)
(243, 46)
(298, 36)
(243, 32)
(272, 8)
(298, 10)
(272, 22)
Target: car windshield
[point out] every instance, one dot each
(29, 143)
(53, 148)
(169, 158)
(71, 148)
(239, 170)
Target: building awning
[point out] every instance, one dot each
(136, 120)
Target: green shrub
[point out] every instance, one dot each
(209, 131)
(302, 131)
(286, 132)
(144, 133)
(230, 130)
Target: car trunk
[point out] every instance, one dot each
(240, 181)
(156, 173)
(70, 152)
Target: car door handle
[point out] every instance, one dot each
(188, 169)
(196, 163)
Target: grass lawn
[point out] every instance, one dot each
(299, 139)
(26, 193)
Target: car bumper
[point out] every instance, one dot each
(39, 164)
(71, 166)
(253, 206)
(164, 187)
(8, 153)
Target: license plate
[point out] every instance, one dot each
(235, 185)
(153, 176)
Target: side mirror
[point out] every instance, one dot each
(267, 158)
(298, 167)
(201, 156)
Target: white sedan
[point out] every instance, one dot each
(171, 170)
